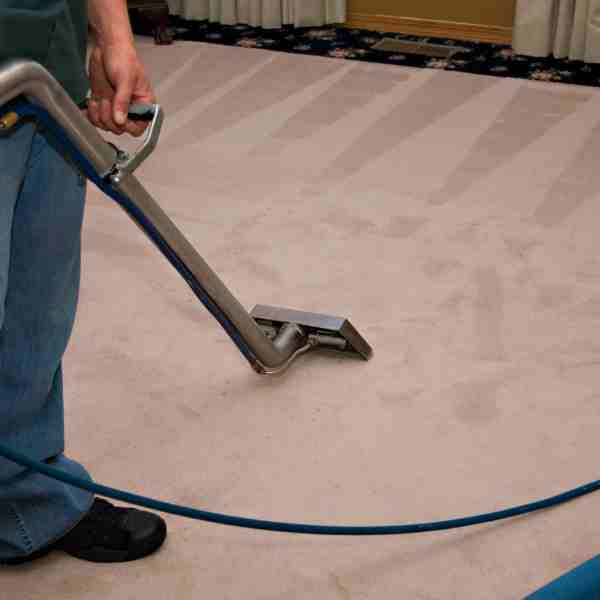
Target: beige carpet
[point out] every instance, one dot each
(454, 218)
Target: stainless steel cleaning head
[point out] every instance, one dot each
(320, 331)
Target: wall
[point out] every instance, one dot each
(484, 12)
(494, 17)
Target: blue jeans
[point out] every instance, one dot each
(41, 211)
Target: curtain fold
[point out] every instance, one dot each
(270, 14)
(564, 28)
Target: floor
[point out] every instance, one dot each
(360, 44)
(454, 219)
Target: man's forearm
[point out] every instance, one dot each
(117, 75)
(109, 22)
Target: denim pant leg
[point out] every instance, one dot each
(41, 211)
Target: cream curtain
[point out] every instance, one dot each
(564, 28)
(263, 13)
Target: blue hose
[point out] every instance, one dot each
(202, 515)
(24, 109)
(582, 583)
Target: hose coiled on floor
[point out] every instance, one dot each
(211, 517)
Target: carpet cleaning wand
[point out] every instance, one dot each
(269, 338)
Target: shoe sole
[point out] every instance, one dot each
(98, 554)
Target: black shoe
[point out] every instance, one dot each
(108, 534)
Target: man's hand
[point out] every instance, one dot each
(117, 75)
(117, 79)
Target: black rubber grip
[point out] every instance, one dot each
(141, 112)
(137, 112)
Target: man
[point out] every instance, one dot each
(41, 211)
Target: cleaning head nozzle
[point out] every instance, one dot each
(321, 331)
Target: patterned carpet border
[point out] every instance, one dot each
(356, 44)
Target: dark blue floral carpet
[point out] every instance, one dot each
(356, 44)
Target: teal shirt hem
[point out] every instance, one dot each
(51, 32)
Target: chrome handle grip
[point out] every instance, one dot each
(127, 164)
